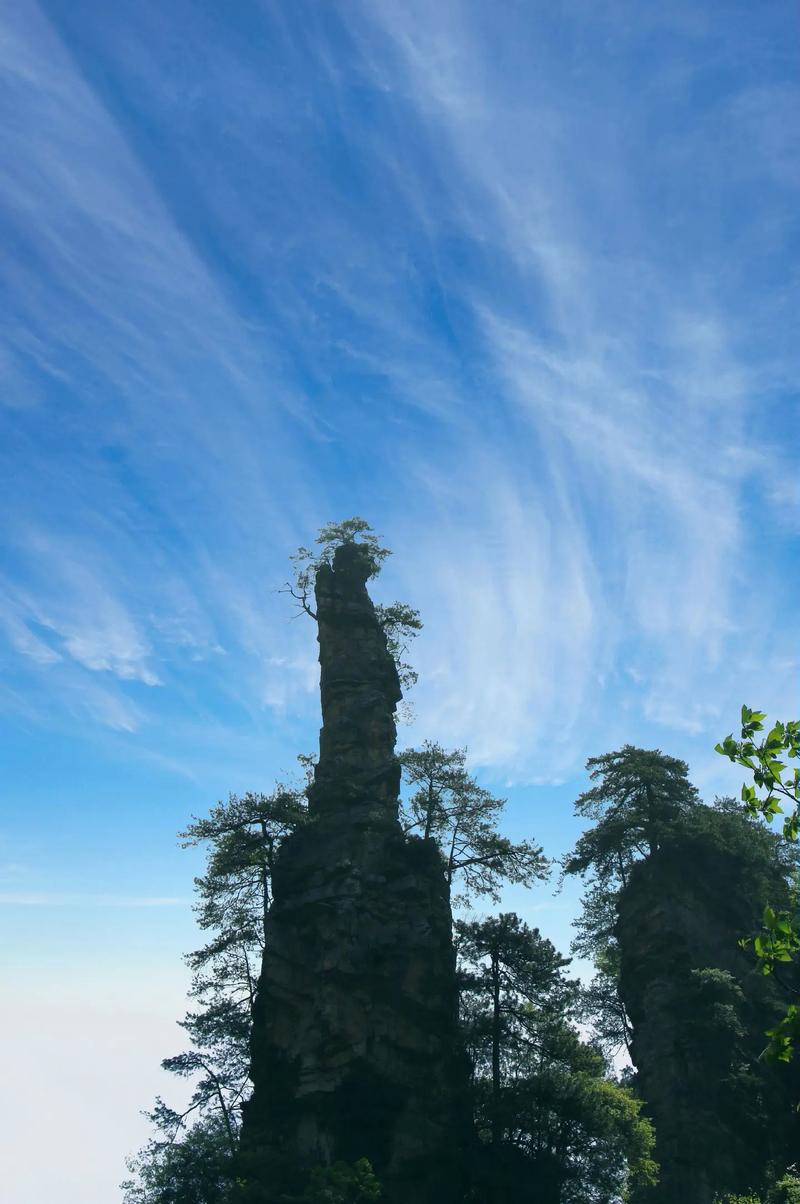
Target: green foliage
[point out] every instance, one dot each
(601, 1004)
(558, 1129)
(307, 562)
(770, 773)
(198, 1169)
(783, 1037)
(698, 1010)
(342, 1183)
(640, 795)
(450, 807)
(501, 955)
(332, 536)
(511, 980)
(779, 939)
(670, 858)
(582, 1137)
(785, 1190)
(242, 836)
(400, 622)
(287, 1183)
(712, 1010)
(602, 1007)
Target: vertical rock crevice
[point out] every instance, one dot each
(355, 1049)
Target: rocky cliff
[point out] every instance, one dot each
(355, 1046)
(699, 1008)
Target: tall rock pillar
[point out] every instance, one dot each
(699, 1008)
(355, 1046)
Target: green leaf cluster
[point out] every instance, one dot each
(785, 1190)
(342, 1183)
(774, 783)
(762, 758)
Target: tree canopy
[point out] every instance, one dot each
(450, 807)
(557, 1127)
(640, 794)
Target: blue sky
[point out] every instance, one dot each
(514, 282)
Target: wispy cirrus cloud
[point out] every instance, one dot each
(480, 289)
(155, 384)
(65, 610)
(635, 379)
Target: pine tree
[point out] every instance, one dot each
(450, 807)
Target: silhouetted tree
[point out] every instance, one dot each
(450, 807)
(556, 1127)
(639, 796)
(196, 1169)
(242, 836)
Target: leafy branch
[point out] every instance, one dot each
(774, 783)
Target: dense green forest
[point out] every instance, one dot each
(668, 1079)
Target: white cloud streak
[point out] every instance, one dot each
(638, 419)
(580, 504)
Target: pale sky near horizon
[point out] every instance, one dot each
(514, 282)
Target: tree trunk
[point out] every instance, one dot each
(429, 812)
(495, 1050)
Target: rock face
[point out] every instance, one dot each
(355, 1046)
(699, 1009)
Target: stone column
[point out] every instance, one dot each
(355, 1049)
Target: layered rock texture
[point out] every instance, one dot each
(355, 1048)
(699, 1009)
